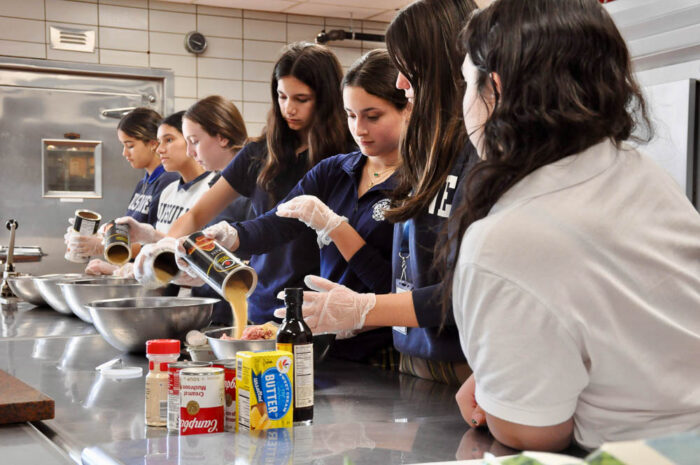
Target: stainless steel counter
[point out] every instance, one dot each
(366, 414)
(23, 445)
(23, 320)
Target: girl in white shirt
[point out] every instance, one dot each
(577, 287)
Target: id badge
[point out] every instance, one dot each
(402, 286)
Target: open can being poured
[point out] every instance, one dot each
(117, 243)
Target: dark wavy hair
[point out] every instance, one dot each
(376, 74)
(317, 67)
(174, 120)
(219, 116)
(566, 85)
(141, 123)
(422, 41)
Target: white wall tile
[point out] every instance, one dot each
(130, 3)
(262, 51)
(264, 30)
(122, 58)
(216, 11)
(31, 9)
(267, 15)
(257, 71)
(164, 42)
(22, 49)
(123, 39)
(181, 65)
(220, 47)
(71, 12)
(220, 26)
(26, 30)
(256, 91)
(164, 21)
(254, 129)
(182, 104)
(302, 19)
(185, 87)
(226, 88)
(65, 55)
(374, 26)
(255, 112)
(219, 68)
(347, 56)
(299, 32)
(117, 16)
(170, 6)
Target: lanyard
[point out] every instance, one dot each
(404, 251)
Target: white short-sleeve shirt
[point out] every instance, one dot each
(178, 197)
(579, 295)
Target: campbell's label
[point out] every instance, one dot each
(229, 367)
(201, 400)
(174, 390)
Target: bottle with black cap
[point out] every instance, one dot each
(295, 336)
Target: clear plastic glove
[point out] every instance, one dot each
(84, 245)
(125, 271)
(143, 233)
(99, 267)
(182, 264)
(312, 212)
(334, 307)
(223, 233)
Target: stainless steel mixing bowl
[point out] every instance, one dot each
(49, 290)
(25, 288)
(224, 349)
(128, 323)
(78, 294)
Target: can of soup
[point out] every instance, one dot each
(229, 367)
(85, 223)
(201, 400)
(218, 267)
(117, 243)
(174, 390)
(160, 268)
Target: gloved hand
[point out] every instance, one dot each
(312, 212)
(223, 233)
(182, 264)
(125, 271)
(142, 233)
(143, 264)
(334, 307)
(99, 267)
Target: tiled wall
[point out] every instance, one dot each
(243, 44)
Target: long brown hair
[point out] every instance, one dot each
(141, 123)
(220, 117)
(317, 67)
(566, 85)
(422, 41)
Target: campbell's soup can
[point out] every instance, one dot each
(217, 266)
(201, 400)
(229, 367)
(174, 390)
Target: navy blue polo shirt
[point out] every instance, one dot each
(143, 206)
(418, 237)
(335, 182)
(287, 263)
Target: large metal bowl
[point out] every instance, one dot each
(49, 290)
(128, 323)
(78, 294)
(25, 288)
(224, 349)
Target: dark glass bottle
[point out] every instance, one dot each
(295, 336)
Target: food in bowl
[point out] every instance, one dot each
(255, 333)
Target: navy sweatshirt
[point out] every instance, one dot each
(286, 264)
(143, 206)
(428, 341)
(335, 182)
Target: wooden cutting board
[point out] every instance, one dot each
(20, 402)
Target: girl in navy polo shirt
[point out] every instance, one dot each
(305, 125)
(343, 199)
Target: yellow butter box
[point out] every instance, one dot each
(264, 390)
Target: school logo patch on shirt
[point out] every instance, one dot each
(379, 208)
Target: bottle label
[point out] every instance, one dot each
(303, 375)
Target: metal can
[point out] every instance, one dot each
(174, 390)
(161, 267)
(201, 400)
(117, 243)
(229, 367)
(217, 266)
(85, 223)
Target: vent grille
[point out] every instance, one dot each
(77, 40)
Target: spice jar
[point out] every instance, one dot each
(160, 353)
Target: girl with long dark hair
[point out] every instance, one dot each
(577, 283)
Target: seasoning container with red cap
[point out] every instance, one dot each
(160, 353)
